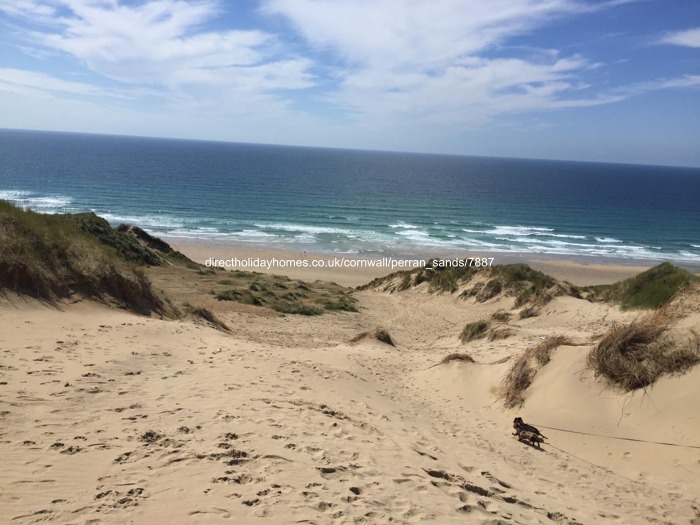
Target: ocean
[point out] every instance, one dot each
(364, 203)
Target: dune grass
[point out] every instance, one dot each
(501, 316)
(528, 312)
(474, 330)
(457, 357)
(499, 333)
(379, 334)
(444, 278)
(527, 285)
(523, 370)
(515, 279)
(636, 354)
(210, 317)
(522, 281)
(284, 295)
(648, 290)
(131, 242)
(51, 257)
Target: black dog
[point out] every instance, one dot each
(527, 432)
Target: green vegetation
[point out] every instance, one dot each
(56, 257)
(445, 279)
(648, 290)
(490, 290)
(522, 281)
(126, 245)
(285, 295)
(131, 242)
(339, 306)
(405, 282)
(473, 331)
(533, 289)
(483, 283)
(239, 296)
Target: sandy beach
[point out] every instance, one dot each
(580, 272)
(110, 417)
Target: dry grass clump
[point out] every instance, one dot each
(542, 353)
(524, 368)
(500, 333)
(528, 312)
(473, 331)
(635, 355)
(501, 316)
(516, 382)
(462, 358)
(379, 334)
(211, 318)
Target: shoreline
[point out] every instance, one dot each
(578, 271)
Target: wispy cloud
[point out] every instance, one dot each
(686, 81)
(411, 33)
(23, 81)
(688, 38)
(28, 9)
(160, 43)
(18, 78)
(443, 60)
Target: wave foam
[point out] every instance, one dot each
(300, 228)
(28, 199)
(8, 195)
(607, 240)
(518, 230)
(404, 225)
(161, 222)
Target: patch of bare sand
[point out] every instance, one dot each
(585, 274)
(112, 418)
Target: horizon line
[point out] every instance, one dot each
(340, 148)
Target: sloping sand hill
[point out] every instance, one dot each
(109, 417)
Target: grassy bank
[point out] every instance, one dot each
(54, 257)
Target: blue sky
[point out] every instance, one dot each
(597, 80)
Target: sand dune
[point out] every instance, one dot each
(109, 417)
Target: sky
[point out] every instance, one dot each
(591, 80)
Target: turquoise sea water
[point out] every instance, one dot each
(358, 202)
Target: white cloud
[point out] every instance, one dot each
(44, 82)
(412, 33)
(686, 81)
(409, 59)
(689, 38)
(37, 83)
(159, 42)
(31, 9)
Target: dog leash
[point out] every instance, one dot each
(613, 473)
(620, 438)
